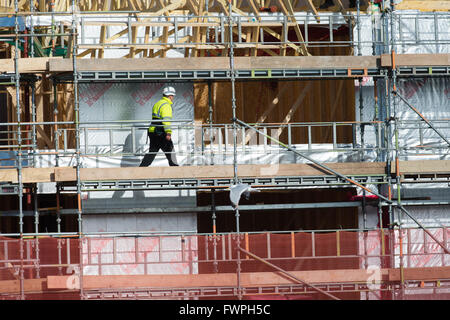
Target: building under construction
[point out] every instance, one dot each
(312, 138)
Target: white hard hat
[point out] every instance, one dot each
(169, 91)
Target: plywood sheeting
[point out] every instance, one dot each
(282, 102)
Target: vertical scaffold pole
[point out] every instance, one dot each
(52, 6)
(56, 139)
(396, 141)
(210, 110)
(358, 27)
(233, 105)
(213, 200)
(31, 29)
(77, 135)
(34, 141)
(19, 143)
(361, 103)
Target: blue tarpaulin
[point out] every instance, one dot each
(11, 22)
(9, 158)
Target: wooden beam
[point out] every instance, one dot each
(87, 52)
(26, 65)
(146, 40)
(164, 10)
(286, 7)
(220, 171)
(61, 174)
(214, 63)
(209, 280)
(279, 37)
(422, 166)
(146, 23)
(256, 29)
(417, 59)
(424, 274)
(198, 30)
(313, 9)
(30, 285)
(341, 8)
(102, 40)
(35, 176)
(44, 136)
(225, 6)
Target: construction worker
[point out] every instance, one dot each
(160, 132)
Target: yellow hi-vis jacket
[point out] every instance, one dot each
(162, 110)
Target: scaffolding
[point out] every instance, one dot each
(67, 261)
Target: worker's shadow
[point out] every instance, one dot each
(128, 161)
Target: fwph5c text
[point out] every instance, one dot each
(242, 309)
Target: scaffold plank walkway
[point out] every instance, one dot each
(68, 174)
(217, 63)
(248, 279)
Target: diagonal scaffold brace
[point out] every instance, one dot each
(326, 168)
(395, 92)
(287, 274)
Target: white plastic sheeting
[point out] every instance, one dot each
(164, 222)
(428, 216)
(140, 256)
(414, 32)
(130, 101)
(431, 97)
(418, 250)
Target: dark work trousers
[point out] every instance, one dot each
(159, 142)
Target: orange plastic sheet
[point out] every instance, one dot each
(25, 264)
